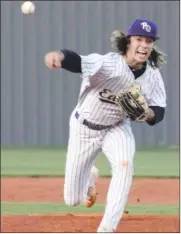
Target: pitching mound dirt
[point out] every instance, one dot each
(87, 223)
(146, 191)
(143, 191)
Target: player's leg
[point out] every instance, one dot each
(119, 147)
(82, 149)
(92, 191)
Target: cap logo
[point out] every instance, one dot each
(146, 26)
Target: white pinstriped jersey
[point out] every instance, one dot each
(110, 71)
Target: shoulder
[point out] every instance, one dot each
(105, 61)
(112, 56)
(92, 56)
(108, 56)
(154, 72)
(111, 60)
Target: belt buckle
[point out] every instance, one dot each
(79, 117)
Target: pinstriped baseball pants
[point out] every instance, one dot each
(118, 145)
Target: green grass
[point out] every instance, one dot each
(10, 208)
(51, 162)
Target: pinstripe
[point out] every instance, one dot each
(99, 112)
(86, 166)
(80, 185)
(110, 195)
(152, 88)
(106, 151)
(158, 95)
(73, 178)
(112, 86)
(68, 178)
(120, 149)
(77, 166)
(124, 182)
(88, 175)
(89, 163)
(110, 72)
(87, 172)
(119, 169)
(71, 162)
(85, 179)
(98, 103)
(80, 157)
(116, 175)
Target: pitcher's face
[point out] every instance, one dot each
(140, 48)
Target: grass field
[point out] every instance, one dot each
(12, 208)
(51, 162)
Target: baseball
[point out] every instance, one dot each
(27, 8)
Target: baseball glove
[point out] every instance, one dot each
(133, 103)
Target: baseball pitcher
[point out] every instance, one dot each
(117, 88)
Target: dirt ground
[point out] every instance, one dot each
(143, 191)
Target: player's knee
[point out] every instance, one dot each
(70, 198)
(70, 202)
(124, 165)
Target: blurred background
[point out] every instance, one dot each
(36, 103)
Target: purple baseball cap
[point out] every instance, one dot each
(143, 27)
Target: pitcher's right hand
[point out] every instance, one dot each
(54, 59)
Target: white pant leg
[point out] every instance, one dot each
(119, 147)
(84, 145)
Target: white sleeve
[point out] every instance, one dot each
(158, 94)
(91, 65)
